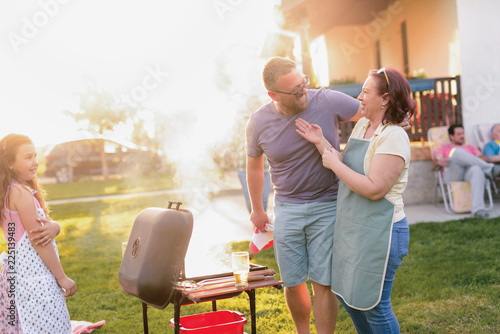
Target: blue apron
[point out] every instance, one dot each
(362, 238)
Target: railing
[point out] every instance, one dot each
(438, 103)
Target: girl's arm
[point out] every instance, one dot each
(44, 234)
(383, 174)
(22, 202)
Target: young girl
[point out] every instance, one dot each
(32, 281)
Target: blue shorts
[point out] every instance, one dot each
(303, 241)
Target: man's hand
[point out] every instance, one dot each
(44, 234)
(441, 161)
(406, 123)
(259, 219)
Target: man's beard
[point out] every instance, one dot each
(296, 108)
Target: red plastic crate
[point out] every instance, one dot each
(218, 322)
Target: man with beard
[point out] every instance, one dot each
(464, 162)
(305, 191)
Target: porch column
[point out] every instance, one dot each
(478, 27)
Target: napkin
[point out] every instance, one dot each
(262, 240)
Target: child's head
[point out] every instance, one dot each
(18, 161)
(18, 158)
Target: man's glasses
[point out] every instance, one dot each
(298, 93)
(382, 70)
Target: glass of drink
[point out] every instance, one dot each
(241, 265)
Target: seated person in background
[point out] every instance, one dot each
(463, 162)
(492, 149)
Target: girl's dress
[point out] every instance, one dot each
(28, 284)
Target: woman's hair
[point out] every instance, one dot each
(274, 68)
(397, 87)
(9, 146)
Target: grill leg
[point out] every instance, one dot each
(178, 299)
(177, 318)
(145, 317)
(251, 295)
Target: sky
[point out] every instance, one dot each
(161, 55)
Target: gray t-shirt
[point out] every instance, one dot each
(296, 166)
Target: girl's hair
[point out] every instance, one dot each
(392, 82)
(9, 146)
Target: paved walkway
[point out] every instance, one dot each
(232, 200)
(437, 213)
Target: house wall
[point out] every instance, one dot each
(350, 53)
(433, 40)
(445, 38)
(432, 37)
(479, 29)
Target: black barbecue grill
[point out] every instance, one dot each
(153, 269)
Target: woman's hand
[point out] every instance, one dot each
(311, 132)
(68, 286)
(331, 158)
(44, 234)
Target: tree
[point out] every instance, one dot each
(103, 112)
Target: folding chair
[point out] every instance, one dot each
(456, 195)
(482, 133)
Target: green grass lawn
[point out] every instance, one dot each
(87, 187)
(449, 282)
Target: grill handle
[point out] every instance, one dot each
(177, 205)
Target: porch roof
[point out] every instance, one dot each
(322, 15)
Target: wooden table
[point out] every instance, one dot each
(220, 288)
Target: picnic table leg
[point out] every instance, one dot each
(145, 317)
(251, 295)
(214, 305)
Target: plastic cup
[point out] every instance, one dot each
(241, 266)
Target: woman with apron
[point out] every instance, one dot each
(371, 234)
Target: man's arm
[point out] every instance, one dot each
(357, 116)
(493, 159)
(255, 180)
(489, 153)
(440, 158)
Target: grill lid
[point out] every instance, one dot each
(154, 258)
